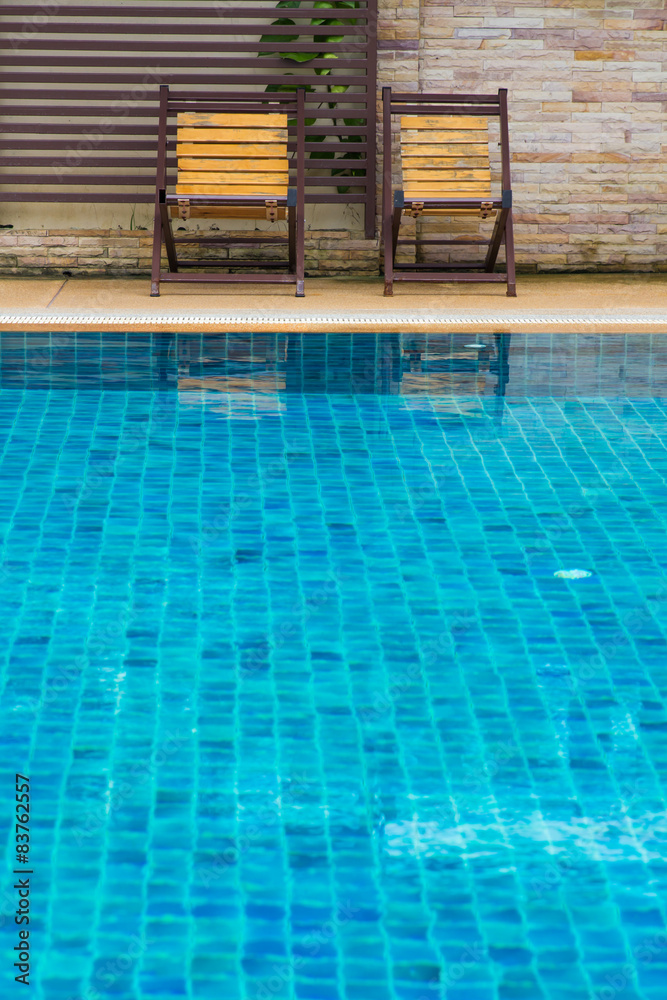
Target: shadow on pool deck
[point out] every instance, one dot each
(600, 302)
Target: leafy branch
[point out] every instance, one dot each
(330, 24)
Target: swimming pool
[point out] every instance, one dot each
(307, 710)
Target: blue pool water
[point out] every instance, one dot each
(306, 710)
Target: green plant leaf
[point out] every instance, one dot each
(332, 88)
(327, 154)
(287, 88)
(301, 57)
(328, 38)
(279, 38)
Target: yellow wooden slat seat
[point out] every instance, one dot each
(441, 173)
(215, 163)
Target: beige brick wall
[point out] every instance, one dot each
(588, 107)
(128, 251)
(588, 102)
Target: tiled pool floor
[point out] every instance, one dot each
(307, 713)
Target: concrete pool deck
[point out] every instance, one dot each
(587, 303)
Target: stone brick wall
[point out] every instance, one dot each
(588, 105)
(39, 252)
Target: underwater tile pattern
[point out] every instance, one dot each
(307, 713)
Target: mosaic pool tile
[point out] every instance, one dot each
(308, 712)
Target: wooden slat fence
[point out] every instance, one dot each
(79, 88)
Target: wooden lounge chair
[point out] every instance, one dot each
(446, 171)
(232, 158)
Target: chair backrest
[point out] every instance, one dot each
(445, 156)
(232, 153)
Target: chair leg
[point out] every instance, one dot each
(388, 263)
(157, 251)
(169, 244)
(390, 241)
(395, 229)
(509, 253)
(300, 254)
(496, 240)
(291, 239)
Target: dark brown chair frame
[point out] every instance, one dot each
(292, 103)
(392, 208)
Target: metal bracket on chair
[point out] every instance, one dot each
(485, 209)
(184, 208)
(417, 209)
(271, 210)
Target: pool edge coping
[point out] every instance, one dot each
(529, 322)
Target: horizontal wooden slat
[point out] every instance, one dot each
(276, 190)
(187, 163)
(413, 137)
(175, 45)
(463, 185)
(162, 28)
(221, 77)
(148, 197)
(165, 10)
(445, 191)
(397, 98)
(230, 149)
(445, 161)
(38, 139)
(256, 178)
(234, 119)
(179, 61)
(438, 123)
(192, 134)
(428, 173)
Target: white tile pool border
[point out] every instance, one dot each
(587, 319)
